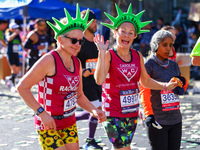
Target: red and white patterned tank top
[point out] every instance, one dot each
(58, 93)
(120, 95)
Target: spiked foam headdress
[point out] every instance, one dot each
(196, 49)
(127, 17)
(72, 24)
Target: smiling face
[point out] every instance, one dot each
(164, 48)
(41, 26)
(125, 34)
(66, 43)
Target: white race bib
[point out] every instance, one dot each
(170, 101)
(15, 48)
(129, 100)
(43, 51)
(70, 104)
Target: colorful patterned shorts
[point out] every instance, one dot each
(120, 131)
(51, 139)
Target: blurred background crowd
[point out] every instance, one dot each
(182, 14)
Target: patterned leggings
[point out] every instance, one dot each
(51, 139)
(120, 131)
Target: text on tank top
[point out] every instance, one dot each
(120, 90)
(58, 94)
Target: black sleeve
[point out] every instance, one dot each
(28, 44)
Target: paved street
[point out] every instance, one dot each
(17, 125)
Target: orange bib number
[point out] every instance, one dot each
(91, 64)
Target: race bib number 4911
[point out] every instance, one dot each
(170, 101)
(129, 100)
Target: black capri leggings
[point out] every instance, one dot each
(167, 138)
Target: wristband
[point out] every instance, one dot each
(164, 86)
(35, 46)
(39, 111)
(102, 49)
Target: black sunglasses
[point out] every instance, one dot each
(74, 40)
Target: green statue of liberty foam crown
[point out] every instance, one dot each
(72, 24)
(127, 17)
(196, 49)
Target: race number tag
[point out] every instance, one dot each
(70, 104)
(44, 50)
(170, 101)
(15, 48)
(91, 64)
(129, 101)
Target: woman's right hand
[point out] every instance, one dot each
(86, 73)
(99, 41)
(99, 114)
(47, 121)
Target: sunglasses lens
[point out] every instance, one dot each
(74, 41)
(81, 42)
(43, 25)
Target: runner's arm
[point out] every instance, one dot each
(84, 103)
(150, 83)
(145, 95)
(103, 66)
(12, 36)
(40, 69)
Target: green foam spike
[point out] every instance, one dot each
(127, 17)
(72, 24)
(196, 49)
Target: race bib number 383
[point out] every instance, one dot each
(170, 101)
(129, 100)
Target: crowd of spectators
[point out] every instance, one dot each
(187, 34)
(30, 26)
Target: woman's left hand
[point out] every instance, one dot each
(99, 114)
